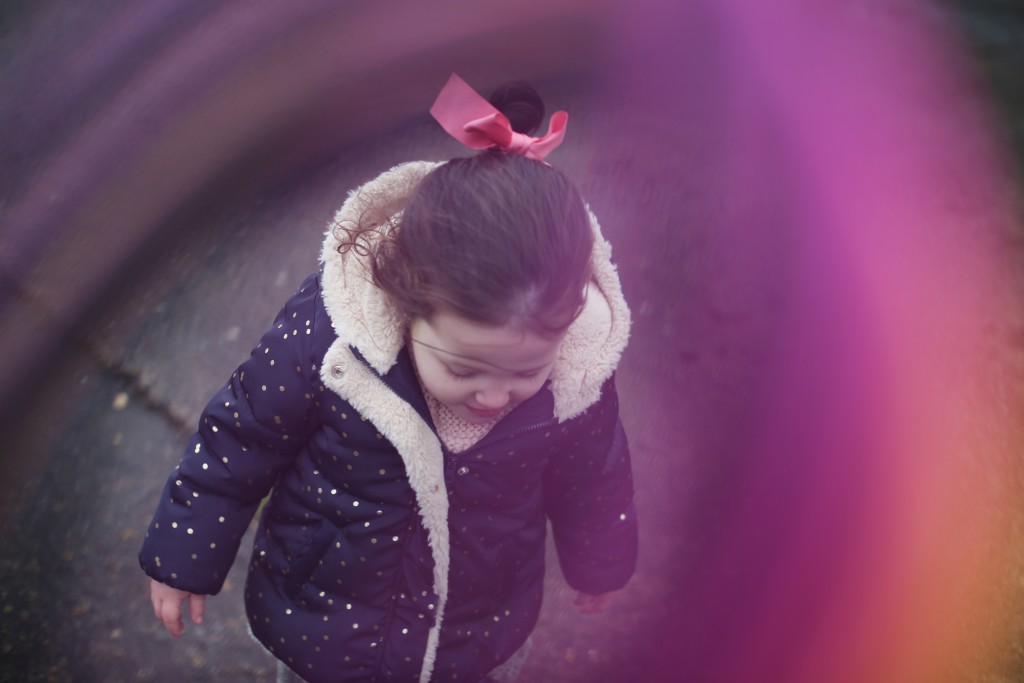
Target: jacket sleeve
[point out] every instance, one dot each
(588, 493)
(251, 429)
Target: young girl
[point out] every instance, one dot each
(417, 412)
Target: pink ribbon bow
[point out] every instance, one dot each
(474, 122)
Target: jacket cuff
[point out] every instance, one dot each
(598, 563)
(188, 555)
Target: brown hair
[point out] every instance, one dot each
(494, 238)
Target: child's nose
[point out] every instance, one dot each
(492, 399)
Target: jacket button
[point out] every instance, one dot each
(337, 371)
(462, 470)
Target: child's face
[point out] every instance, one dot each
(480, 371)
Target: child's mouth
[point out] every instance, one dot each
(489, 412)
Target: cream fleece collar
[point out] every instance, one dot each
(365, 319)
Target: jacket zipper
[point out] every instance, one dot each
(486, 441)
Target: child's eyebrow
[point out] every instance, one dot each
(524, 371)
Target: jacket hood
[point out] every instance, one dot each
(365, 319)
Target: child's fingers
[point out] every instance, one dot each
(592, 604)
(166, 603)
(154, 596)
(196, 605)
(170, 615)
(602, 601)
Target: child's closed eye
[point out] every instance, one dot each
(461, 374)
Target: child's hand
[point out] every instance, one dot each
(167, 606)
(592, 604)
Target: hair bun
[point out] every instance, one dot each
(523, 106)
